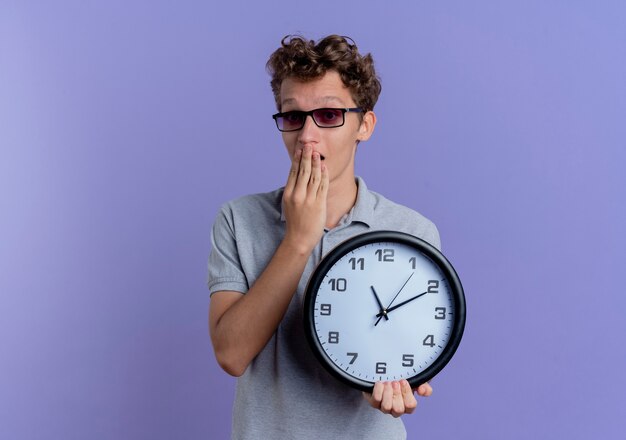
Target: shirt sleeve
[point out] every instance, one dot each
(433, 236)
(225, 271)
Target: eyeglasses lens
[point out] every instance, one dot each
(328, 117)
(324, 117)
(291, 121)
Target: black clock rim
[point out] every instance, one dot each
(396, 237)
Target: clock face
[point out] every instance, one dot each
(384, 306)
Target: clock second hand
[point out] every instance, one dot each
(384, 311)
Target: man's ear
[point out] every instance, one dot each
(367, 126)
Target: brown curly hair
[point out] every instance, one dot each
(305, 60)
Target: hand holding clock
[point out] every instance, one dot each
(396, 397)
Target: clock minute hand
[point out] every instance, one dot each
(382, 309)
(384, 312)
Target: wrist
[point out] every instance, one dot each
(297, 246)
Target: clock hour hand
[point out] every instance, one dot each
(386, 311)
(382, 309)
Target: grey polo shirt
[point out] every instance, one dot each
(285, 393)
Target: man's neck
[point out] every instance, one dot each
(341, 199)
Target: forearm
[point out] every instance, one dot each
(242, 325)
(241, 331)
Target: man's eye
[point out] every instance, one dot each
(330, 116)
(292, 117)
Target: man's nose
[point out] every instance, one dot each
(309, 130)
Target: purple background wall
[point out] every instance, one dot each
(121, 134)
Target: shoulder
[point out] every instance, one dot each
(394, 216)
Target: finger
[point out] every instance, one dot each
(377, 395)
(425, 390)
(397, 404)
(305, 171)
(410, 403)
(386, 405)
(322, 191)
(293, 172)
(316, 174)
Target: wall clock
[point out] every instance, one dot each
(384, 306)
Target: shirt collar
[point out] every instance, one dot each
(362, 209)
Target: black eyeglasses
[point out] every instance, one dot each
(323, 118)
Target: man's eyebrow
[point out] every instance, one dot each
(323, 99)
(334, 98)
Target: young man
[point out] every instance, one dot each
(266, 246)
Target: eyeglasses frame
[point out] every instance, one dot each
(310, 113)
